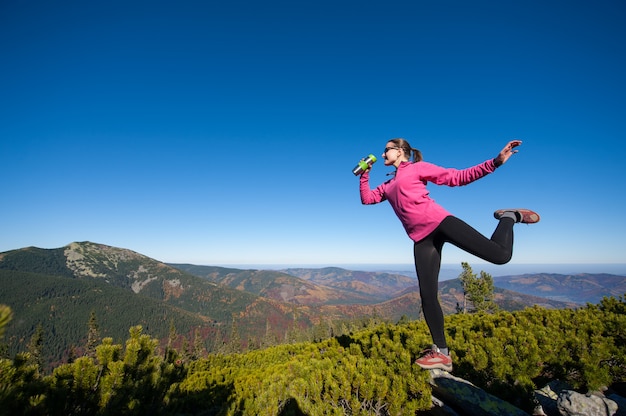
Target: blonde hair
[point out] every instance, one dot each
(411, 152)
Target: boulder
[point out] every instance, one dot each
(453, 396)
(468, 399)
(571, 403)
(439, 409)
(547, 397)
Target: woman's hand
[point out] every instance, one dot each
(506, 153)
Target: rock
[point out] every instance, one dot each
(453, 396)
(547, 397)
(439, 409)
(571, 403)
(468, 399)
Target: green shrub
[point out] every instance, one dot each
(365, 372)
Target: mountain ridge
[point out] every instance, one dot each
(313, 288)
(62, 285)
(580, 288)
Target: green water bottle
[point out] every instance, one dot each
(364, 165)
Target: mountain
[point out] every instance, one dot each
(348, 294)
(131, 271)
(383, 286)
(326, 286)
(576, 288)
(59, 289)
(62, 307)
(451, 294)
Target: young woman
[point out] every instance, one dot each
(429, 225)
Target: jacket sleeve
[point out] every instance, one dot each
(455, 177)
(370, 196)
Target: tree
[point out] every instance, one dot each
(93, 335)
(234, 342)
(171, 355)
(477, 290)
(35, 346)
(171, 339)
(198, 345)
(5, 318)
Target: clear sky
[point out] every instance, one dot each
(225, 132)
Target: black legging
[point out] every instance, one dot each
(427, 252)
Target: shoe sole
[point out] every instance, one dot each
(439, 366)
(528, 216)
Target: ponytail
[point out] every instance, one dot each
(416, 155)
(412, 153)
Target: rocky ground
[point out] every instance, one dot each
(453, 396)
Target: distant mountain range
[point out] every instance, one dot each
(59, 288)
(574, 288)
(325, 286)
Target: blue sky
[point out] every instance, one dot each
(225, 132)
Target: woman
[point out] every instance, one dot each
(430, 226)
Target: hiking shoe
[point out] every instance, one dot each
(432, 358)
(523, 215)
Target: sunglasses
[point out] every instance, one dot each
(389, 148)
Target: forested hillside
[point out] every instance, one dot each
(285, 287)
(364, 372)
(218, 309)
(124, 289)
(62, 307)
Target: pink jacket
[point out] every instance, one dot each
(408, 195)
